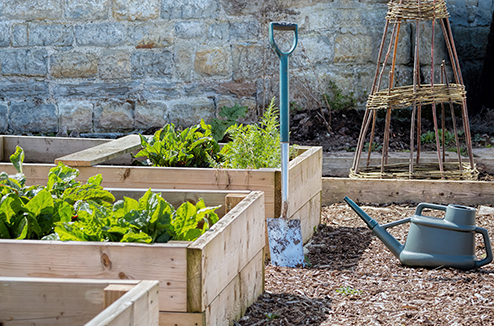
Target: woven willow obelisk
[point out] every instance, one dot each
(432, 94)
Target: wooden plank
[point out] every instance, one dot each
(43, 301)
(468, 193)
(309, 216)
(232, 200)
(163, 262)
(103, 152)
(2, 154)
(113, 292)
(181, 319)
(47, 149)
(238, 295)
(138, 307)
(304, 178)
(219, 255)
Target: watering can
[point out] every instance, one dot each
(431, 241)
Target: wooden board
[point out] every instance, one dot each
(138, 307)
(103, 152)
(56, 259)
(468, 193)
(214, 260)
(55, 301)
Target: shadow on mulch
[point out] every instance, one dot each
(286, 309)
(337, 248)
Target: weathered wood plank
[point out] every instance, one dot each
(102, 153)
(181, 319)
(386, 191)
(226, 251)
(163, 262)
(44, 301)
(138, 307)
(309, 216)
(47, 149)
(113, 292)
(238, 295)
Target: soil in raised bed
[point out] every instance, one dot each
(353, 279)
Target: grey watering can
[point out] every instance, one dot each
(434, 242)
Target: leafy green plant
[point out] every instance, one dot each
(149, 219)
(430, 137)
(191, 147)
(231, 115)
(375, 147)
(348, 290)
(254, 146)
(336, 100)
(271, 316)
(65, 209)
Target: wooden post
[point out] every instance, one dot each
(113, 292)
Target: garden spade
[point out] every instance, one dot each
(285, 236)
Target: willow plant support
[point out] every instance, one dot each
(417, 97)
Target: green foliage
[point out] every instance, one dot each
(232, 114)
(148, 220)
(66, 210)
(336, 100)
(374, 148)
(348, 290)
(192, 147)
(430, 137)
(271, 316)
(254, 146)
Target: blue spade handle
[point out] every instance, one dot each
(284, 84)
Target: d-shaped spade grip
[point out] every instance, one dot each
(283, 27)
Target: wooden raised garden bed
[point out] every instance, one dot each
(305, 172)
(52, 302)
(210, 281)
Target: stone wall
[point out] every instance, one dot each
(126, 65)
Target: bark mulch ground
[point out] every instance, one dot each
(353, 279)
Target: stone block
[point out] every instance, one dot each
(353, 49)
(76, 115)
(31, 117)
(219, 31)
(184, 60)
(24, 62)
(4, 34)
(103, 34)
(470, 12)
(23, 89)
(4, 118)
(189, 9)
(317, 49)
(156, 90)
(54, 35)
(73, 65)
(245, 30)
(136, 9)
(95, 90)
(113, 116)
(471, 42)
(33, 9)
(189, 111)
(425, 42)
(86, 10)
(247, 59)
(151, 35)
(151, 114)
(190, 29)
(151, 64)
(19, 35)
(114, 64)
(213, 62)
(240, 7)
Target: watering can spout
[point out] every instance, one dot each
(393, 245)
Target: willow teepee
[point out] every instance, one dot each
(428, 94)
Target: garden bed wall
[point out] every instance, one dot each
(61, 302)
(210, 281)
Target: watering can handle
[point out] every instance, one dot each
(283, 27)
(488, 248)
(422, 206)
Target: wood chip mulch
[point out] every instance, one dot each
(353, 279)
